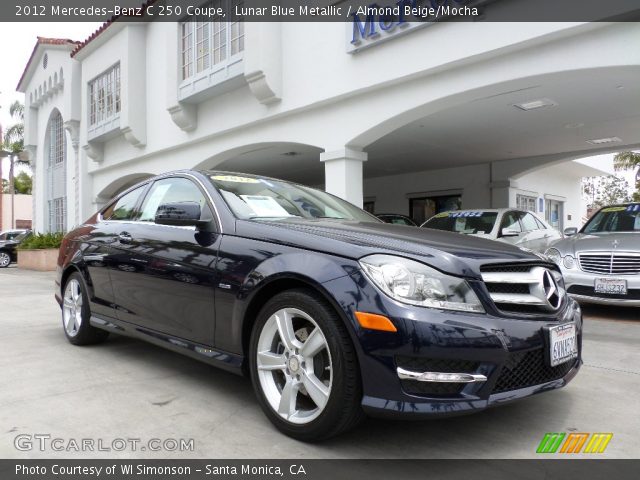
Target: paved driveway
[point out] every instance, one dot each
(126, 389)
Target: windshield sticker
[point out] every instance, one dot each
(442, 215)
(464, 214)
(265, 206)
(234, 179)
(614, 209)
(633, 208)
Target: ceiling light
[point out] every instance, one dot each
(533, 104)
(602, 141)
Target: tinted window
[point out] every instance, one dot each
(463, 222)
(124, 208)
(510, 221)
(528, 222)
(172, 190)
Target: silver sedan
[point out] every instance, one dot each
(601, 262)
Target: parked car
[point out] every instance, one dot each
(396, 219)
(601, 262)
(330, 311)
(8, 246)
(517, 227)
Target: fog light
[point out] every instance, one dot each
(440, 377)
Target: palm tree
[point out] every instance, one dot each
(14, 143)
(629, 161)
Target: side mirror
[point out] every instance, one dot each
(508, 232)
(570, 231)
(180, 214)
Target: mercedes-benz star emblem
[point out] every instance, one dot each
(551, 292)
(615, 244)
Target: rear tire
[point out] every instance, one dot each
(304, 367)
(76, 314)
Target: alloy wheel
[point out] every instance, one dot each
(72, 307)
(5, 259)
(294, 365)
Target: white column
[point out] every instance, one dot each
(343, 173)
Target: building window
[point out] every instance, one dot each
(104, 97)
(208, 43)
(57, 214)
(369, 207)
(526, 203)
(553, 213)
(56, 141)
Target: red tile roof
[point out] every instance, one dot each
(44, 41)
(78, 45)
(105, 25)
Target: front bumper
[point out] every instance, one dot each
(509, 352)
(580, 286)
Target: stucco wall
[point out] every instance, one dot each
(23, 211)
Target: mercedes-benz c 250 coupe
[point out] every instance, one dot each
(332, 313)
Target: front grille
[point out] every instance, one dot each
(527, 369)
(617, 263)
(433, 389)
(632, 294)
(524, 289)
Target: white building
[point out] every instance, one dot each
(408, 120)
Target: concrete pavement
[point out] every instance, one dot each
(127, 389)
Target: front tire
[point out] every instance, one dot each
(304, 367)
(5, 259)
(76, 314)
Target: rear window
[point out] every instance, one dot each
(463, 222)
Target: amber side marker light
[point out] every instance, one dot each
(372, 321)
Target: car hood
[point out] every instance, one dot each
(625, 241)
(446, 251)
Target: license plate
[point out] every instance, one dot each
(611, 286)
(563, 344)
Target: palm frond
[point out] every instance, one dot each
(626, 161)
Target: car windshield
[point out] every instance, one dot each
(463, 222)
(264, 198)
(615, 219)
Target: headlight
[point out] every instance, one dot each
(554, 255)
(414, 283)
(569, 262)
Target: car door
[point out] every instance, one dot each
(549, 234)
(166, 280)
(532, 236)
(102, 252)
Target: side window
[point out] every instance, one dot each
(528, 222)
(172, 190)
(124, 207)
(510, 221)
(541, 225)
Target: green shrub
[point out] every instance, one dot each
(38, 241)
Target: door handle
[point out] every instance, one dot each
(125, 237)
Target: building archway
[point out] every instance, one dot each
(291, 161)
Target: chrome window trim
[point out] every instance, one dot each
(208, 196)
